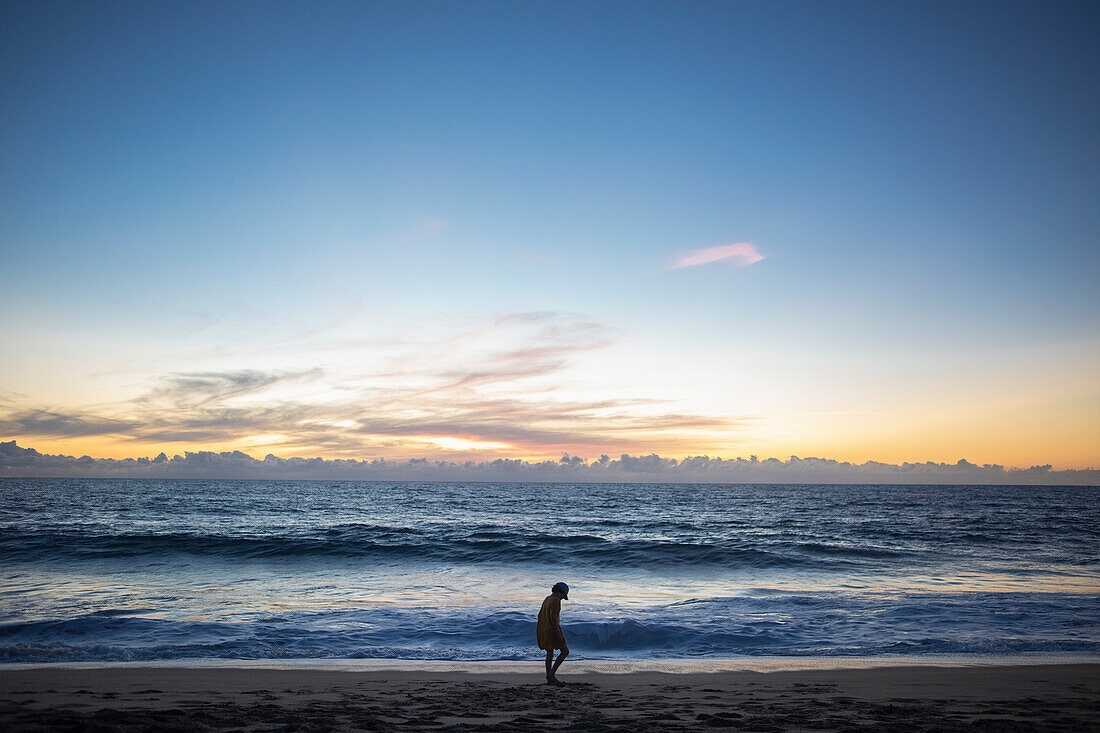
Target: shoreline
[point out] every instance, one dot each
(1061, 696)
(763, 664)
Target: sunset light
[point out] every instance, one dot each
(500, 365)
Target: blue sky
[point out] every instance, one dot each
(921, 179)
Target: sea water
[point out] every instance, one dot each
(130, 570)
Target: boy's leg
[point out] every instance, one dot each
(549, 659)
(561, 658)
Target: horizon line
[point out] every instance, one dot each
(20, 462)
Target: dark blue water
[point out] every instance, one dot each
(147, 569)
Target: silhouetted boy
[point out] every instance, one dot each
(549, 633)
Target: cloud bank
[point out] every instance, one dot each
(739, 254)
(16, 461)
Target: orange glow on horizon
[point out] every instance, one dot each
(934, 448)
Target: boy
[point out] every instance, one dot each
(549, 633)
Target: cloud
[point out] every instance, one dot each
(739, 254)
(16, 461)
(207, 387)
(475, 385)
(53, 423)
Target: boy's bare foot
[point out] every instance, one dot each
(554, 681)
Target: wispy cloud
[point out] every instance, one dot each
(501, 387)
(57, 423)
(739, 254)
(213, 387)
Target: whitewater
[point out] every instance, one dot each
(138, 570)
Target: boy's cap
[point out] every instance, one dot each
(563, 588)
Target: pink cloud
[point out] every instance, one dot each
(739, 254)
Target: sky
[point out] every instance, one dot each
(470, 231)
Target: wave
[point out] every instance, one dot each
(451, 546)
(613, 640)
(823, 624)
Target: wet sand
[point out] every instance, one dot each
(912, 698)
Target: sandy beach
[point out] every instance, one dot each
(911, 698)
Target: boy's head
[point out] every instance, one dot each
(562, 590)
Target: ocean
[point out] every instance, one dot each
(132, 570)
